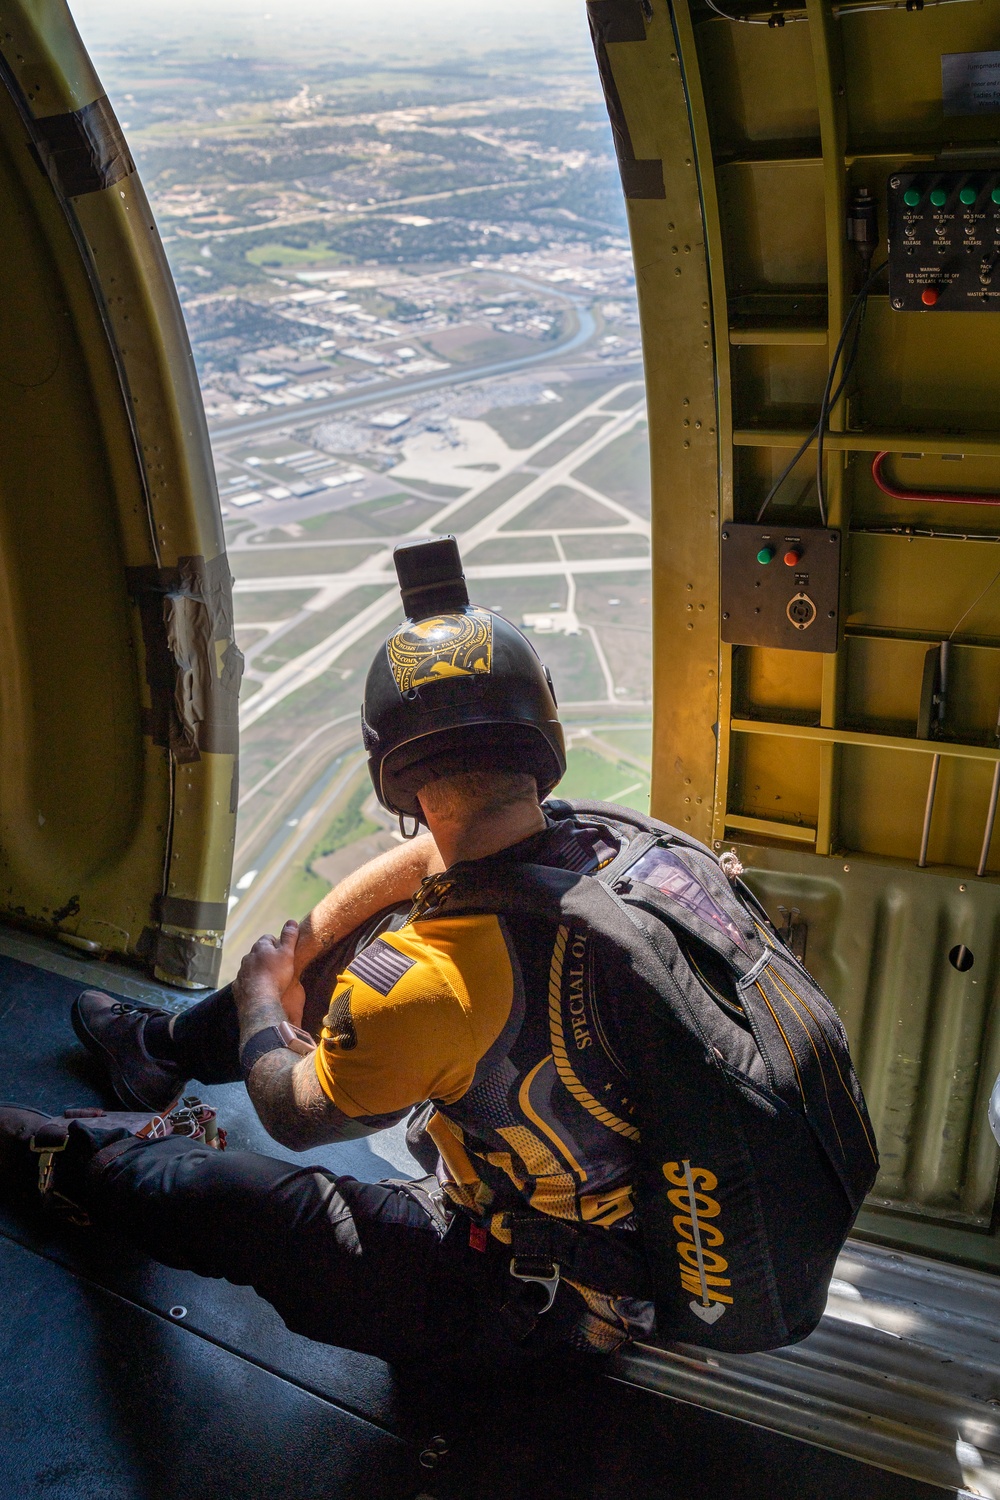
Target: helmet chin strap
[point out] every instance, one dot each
(402, 827)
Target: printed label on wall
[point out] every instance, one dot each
(970, 83)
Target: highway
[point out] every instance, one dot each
(308, 411)
(298, 830)
(332, 216)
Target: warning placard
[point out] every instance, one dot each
(970, 83)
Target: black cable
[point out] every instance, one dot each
(745, 20)
(778, 18)
(829, 400)
(848, 367)
(825, 405)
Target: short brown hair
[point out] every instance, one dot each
(470, 792)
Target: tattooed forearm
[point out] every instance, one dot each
(293, 1108)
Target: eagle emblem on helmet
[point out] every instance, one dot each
(443, 646)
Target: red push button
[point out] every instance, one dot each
(929, 296)
(793, 557)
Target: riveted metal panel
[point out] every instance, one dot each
(847, 802)
(118, 671)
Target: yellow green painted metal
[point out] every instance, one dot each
(104, 467)
(811, 765)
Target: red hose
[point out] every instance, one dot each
(927, 495)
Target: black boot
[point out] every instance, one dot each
(112, 1030)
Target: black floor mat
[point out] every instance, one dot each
(108, 1396)
(105, 1401)
(43, 1064)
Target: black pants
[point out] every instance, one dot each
(361, 1265)
(365, 1266)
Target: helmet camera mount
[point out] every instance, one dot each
(455, 688)
(430, 575)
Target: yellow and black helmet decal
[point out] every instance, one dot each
(459, 645)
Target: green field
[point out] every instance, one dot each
(573, 663)
(512, 549)
(513, 597)
(317, 627)
(523, 426)
(265, 563)
(621, 470)
(629, 545)
(387, 516)
(278, 254)
(562, 506)
(630, 591)
(443, 491)
(563, 446)
(589, 775)
(637, 742)
(626, 398)
(486, 503)
(346, 825)
(276, 604)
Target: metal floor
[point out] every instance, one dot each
(107, 1396)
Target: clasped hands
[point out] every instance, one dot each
(270, 971)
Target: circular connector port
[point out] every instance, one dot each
(801, 611)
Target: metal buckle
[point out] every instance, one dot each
(46, 1167)
(544, 1272)
(46, 1164)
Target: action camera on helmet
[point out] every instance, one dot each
(455, 688)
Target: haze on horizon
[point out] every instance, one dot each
(391, 30)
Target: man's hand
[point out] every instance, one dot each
(266, 972)
(283, 1087)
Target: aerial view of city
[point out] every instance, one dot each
(404, 266)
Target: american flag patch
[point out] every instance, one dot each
(581, 850)
(380, 966)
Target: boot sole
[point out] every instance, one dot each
(119, 1082)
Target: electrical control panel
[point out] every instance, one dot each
(780, 587)
(944, 241)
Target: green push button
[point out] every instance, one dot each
(995, 195)
(911, 197)
(765, 555)
(968, 195)
(939, 197)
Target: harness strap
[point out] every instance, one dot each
(544, 1250)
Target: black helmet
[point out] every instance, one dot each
(454, 689)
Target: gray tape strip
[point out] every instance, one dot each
(187, 961)
(195, 695)
(199, 916)
(84, 151)
(622, 21)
